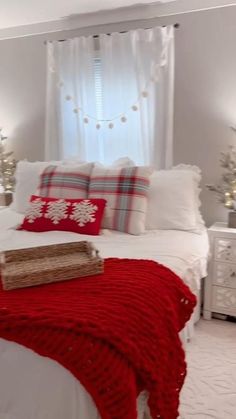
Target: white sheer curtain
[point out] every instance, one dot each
(112, 96)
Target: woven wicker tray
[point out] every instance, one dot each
(44, 264)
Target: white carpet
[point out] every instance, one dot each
(209, 391)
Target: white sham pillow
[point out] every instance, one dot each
(197, 177)
(27, 177)
(117, 164)
(172, 201)
(121, 162)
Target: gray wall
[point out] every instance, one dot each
(205, 92)
(22, 95)
(205, 96)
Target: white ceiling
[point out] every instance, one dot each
(19, 17)
(24, 12)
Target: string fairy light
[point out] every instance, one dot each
(121, 117)
(79, 111)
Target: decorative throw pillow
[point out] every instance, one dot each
(70, 182)
(125, 191)
(81, 216)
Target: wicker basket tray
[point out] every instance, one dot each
(44, 264)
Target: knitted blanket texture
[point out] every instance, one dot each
(116, 332)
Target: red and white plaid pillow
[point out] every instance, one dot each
(83, 216)
(125, 191)
(63, 181)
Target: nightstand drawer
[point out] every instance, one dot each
(224, 300)
(224, 274)
(225, 249)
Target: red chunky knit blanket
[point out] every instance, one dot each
(117, 333)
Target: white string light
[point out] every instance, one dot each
(122, 117)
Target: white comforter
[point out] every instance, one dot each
(33, 387)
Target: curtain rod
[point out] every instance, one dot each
(176, 26)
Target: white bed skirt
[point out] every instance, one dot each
(187, 333)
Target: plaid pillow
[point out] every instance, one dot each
(125, 191)
(70, 182)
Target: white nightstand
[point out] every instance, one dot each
(220, 284)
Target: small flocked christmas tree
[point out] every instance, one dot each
(226, 189)
(7, 167)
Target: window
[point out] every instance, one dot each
(98, 87)
(105, 101)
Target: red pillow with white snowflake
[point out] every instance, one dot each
(83, 216)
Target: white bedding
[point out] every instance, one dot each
(33, 387)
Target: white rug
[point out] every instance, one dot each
(209, 391)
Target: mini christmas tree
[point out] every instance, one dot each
(226, 189)
(7, 166)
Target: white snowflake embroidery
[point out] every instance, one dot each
(84, 212)
(57, 210)
(35, 210)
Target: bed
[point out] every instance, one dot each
(36, 387)
(40, 387)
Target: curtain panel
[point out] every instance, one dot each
(111, 96)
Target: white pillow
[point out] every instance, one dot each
(172, 200)
(121, 162)
(27, 179)
(118, 164)
(197, 177)
(73, 162)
